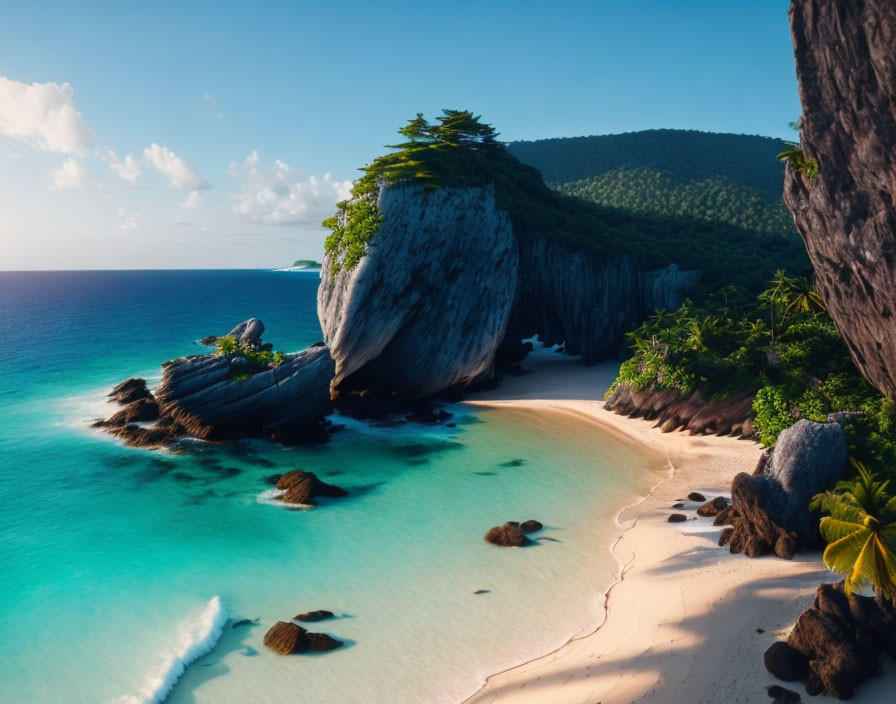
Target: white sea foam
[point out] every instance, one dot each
(194, 638)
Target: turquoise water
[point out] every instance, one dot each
(117, 563)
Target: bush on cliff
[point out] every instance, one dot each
(782, 345)
(257, 359)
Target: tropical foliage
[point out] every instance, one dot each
(258, 359)
(458, 149)
(860, 529)
(793, 156)
(782, 345)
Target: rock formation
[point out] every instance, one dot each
(200, 397)
(508, 535)
(770, 510)
(287, 638)
(303, 488)
(846, 214)
(673, 410)
(835, 644)
(318, 615)
(447, 280)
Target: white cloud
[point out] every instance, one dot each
(180, 173)
(128, 168)
(283, 195)
(128, 223)
(72, 175)
(42, 115)
(192, 200)
(208, 97)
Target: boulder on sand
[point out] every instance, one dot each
(713, 508)
(286, 638)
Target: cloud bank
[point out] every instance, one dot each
(181, 174)
(283, 195)
(72, 176)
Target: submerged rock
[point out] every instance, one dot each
(508, 535)
(531, 526)
(319, 615)
(286, 638)
(323, 642)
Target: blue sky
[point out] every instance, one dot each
(245, 120)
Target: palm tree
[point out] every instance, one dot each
(861, 532)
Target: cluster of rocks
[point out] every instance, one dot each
(770, 509)
(141, 422)
(836, 643)
(287, 637)
(718, 508)
(673, 410)
(512, 533)
(303, 488)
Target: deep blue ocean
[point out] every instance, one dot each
(119, 567)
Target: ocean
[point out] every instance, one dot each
(129, 575)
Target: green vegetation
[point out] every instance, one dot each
(354, 226)
(861, 532)
(716, 200)
(793, 156)
(458, 149)
(782, 345)
(257, 359)
(306, 264)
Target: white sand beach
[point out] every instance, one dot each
(688, 622)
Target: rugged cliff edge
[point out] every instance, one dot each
(846, 65)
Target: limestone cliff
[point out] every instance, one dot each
(447, 279)
(426, 307)
(846, 66)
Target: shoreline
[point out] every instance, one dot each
(684, 619)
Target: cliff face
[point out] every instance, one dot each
(446, 280)
(427, 306)
(846, 65)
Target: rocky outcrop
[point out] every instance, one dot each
(770, 509)
(673, 410)
(846, 214)
(200, 394)
(427, 306)
(531, 526)
(301, 487)
(287, 638)
(202, 397)
(836, 643)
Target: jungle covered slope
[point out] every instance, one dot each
(458, 149)
(717, 193)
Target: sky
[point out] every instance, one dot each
(219, 134)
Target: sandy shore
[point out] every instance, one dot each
(688, 622)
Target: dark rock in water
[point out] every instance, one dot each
(677, 518)
(846, 213)
(783, 696)
(696, 496)
(770, 511)
(143, 410)
(508, 535)
(286, 638)
(152, 438)
(304, 487)
(323, 642)
(242, 623)
(209, 340)
(513, 463)
(129, 391)
(530, 526)
(713, 508)
(482, 591)
(678, 505)
(785, 662)
(428, 415)
(672, 410)
(319, 615)
(841, 637)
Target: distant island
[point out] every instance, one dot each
(305, 264)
